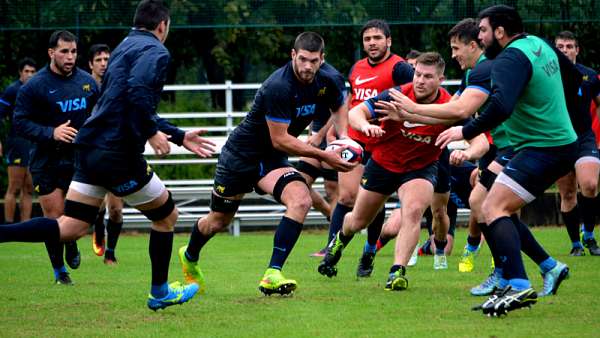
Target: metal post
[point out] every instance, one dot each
(229, 106)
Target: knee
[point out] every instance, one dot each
(115, 213)
(346, 198)
(71, 229)
(300, 203)
(439, 212)
(213, 222)
(589, 188)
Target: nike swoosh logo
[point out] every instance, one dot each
(510, 168)
(358, 81)
(52, 91)
(504, 158)
(538, 52)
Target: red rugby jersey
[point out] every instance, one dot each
(366, 81)
(408, 146)
(595, 123)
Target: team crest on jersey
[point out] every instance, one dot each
(87, 87)
(363, 181)
(586, 78)
(322, 91)
(220, 189)
(148, 169)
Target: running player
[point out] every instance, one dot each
(255, 157)
(16, 150)
(109, 156)
(404, 159)
(529, 97)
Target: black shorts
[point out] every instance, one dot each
(443, 174)
(17, 151)
(587, 147)
(366, 154)
(237, 175)
(120, 173)
(52, 177)
(532, 170)
(378, 179)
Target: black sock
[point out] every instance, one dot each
(384, 240)
(473, 241)
(529, 245)
(490, 242)
(337, 220)
(160, 247)
(588, 213)
(397, 267)
(284, 240)
(113, 230)
(197, 241)
(99, 226)
(38, 229)
(55, 251)
(439, 246)
(505, 237)
(571, 219)
(374, 229)
(345, 239)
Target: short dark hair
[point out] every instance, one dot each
(567, 35)
(150, 13)
(26, 62)
(503, 16)
(466, 31)
(432, 59)
(378, 24)
(413, 54)
(309, 41)
(61, 35)
(97, 49)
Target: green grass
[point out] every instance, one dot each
(110, 301)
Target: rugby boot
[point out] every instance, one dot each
(327, 267)
(191, 271)
(274, 282)
(178, 294)
(553, 279)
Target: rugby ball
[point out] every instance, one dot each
(352, 153)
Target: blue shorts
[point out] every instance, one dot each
(378, 179)
(236, 175)
(587, 150)
(533, 170)
(120, 173)
(17, 151)
(504, 155)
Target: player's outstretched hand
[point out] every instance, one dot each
(403, 101)
(160, 143)
(449, 135)
(334, 159)
(390, 111)
(64, 133)
(372, 130)
(198, 145)
(458, 157)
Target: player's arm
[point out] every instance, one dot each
(6, 104)
(478, 146)
(289, 144)
(25, 117)
(359, 117)
(511, 73)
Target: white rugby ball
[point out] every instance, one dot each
(352, 153)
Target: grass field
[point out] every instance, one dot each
(110, 301)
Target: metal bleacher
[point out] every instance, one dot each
(192, 196)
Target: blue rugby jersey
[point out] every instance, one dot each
(48, 100)
(125, 116)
